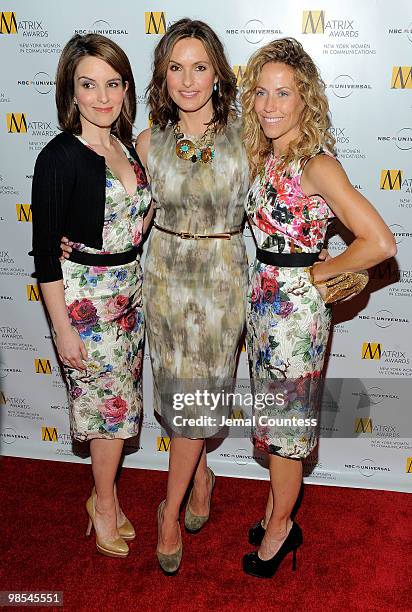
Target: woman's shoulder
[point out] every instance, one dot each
(64, 145)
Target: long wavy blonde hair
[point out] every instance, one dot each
(314, 121)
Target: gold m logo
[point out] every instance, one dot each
(409, 465)
(163, 443)
(33, 293)
(16, 123)
(155, 23)
(23, 212)
(8, 23)
(313, 22)
(49, 434)
(371, 350)
(237, 413)
(363, 425)
(401, 77)
(42, 366)
(3, 399)
(239, 71)
(391, 180)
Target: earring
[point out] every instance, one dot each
(75, 102)
(215, 87)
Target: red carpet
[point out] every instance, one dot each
(355, 556)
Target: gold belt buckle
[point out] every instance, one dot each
(185, 235)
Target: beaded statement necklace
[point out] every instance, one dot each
(201, 149)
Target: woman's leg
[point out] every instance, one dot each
(105, 461)
(285, 480)
(183, 459)
(199, 503)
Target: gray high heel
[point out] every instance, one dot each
(169, 563)
(193, 522)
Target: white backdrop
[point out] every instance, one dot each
(364, 51)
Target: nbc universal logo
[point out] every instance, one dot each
(402, 139)
(340, 31)
(41, 82)
(106, 28)
(393, 361)
(401, 30)
(385, 318)
(30, 31)
(254, 31)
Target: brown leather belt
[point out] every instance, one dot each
(188, 236)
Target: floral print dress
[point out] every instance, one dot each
(288, 322)
(104, 305)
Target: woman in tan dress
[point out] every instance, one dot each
(196, 268)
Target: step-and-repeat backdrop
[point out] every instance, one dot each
(364, 52)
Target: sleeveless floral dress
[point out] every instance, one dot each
(104, 305)
(288, 322)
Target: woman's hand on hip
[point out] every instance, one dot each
(66, 248)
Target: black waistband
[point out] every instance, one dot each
(286, 260)
(109, 259)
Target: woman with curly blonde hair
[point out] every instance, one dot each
(298, 187)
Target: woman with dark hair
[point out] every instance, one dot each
(90, 186)
(196, 267)
(298, 186)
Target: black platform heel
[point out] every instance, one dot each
(257, 533)
(255, 566)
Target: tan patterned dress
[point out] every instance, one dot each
(195, 290)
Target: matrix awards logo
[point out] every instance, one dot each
(340, 31)
(32, 33)
(16, 123)
(391, 180)
(408, 469)
(155, 22)
(42, 366)
(33, 293)
(371, 350)
(346, 147)
(163, 443)
(239, 71)
(401, 77)
(8, 22)
(363, 425)
(23, 212)
(3, 399)
(49, 434)
(313, 22)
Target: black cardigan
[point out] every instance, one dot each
(68, 199)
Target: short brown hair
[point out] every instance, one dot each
(162, 108)
(93, 45)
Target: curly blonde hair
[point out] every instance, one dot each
(314, 122)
